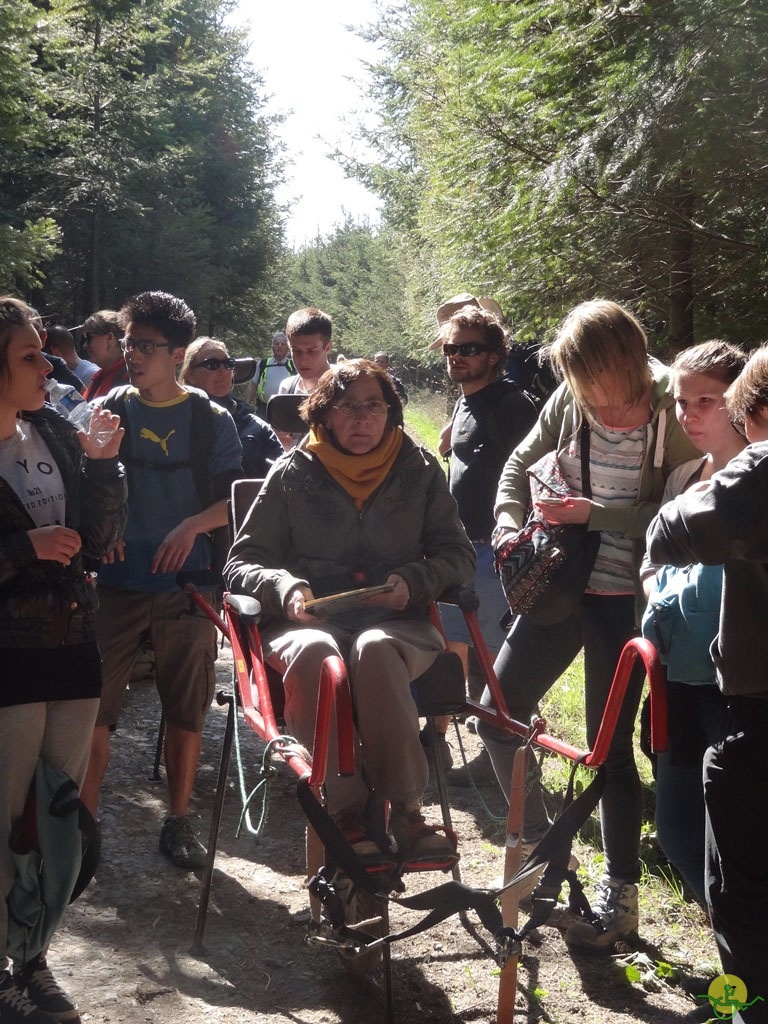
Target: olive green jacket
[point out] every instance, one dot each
(666, 446)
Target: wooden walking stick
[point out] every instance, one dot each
(505, 1013)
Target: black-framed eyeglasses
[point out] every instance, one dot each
(375, 407)
(466, 348)
(146, 347)
(214, 364)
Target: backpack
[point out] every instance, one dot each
(493, 429)
(532, 376)
(55, 848)
(261, 371)
(202, 433)
(682, 620)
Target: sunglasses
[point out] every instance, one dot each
(468, 348)
(214, 364)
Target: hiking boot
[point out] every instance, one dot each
(36, 979)
(179, 842)
(616, 906)
(371, 855)
(421, 847)
(443, 749)
(15, 1006)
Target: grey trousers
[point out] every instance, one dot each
(58, 731)
(381, 661)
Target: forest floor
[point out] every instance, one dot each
(125, 949)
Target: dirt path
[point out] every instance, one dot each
(125, 948)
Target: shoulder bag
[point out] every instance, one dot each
(544, 568)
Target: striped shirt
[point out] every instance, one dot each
(615, 461)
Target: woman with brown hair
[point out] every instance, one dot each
(357, 503)
(62, 496)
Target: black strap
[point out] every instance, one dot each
(451, 898)
(584, 436)
(337, 848)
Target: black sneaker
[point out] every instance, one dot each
(15, 1006)
(179, 842)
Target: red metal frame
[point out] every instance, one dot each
(636, 649)
(334, 697)
(256, 703)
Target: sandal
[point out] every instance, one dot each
(422, 847)
(371, 855)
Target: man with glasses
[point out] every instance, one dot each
(181, 453)
(490, 418)
(101, 334)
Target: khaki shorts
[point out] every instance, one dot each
(184, 644)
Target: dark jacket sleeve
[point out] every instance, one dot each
(449, 557)
(725, 520)
(103, 505)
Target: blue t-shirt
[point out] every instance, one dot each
(161, 487)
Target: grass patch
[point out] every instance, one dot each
(426, 414)
(563, 707)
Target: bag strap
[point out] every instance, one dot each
(584, 436)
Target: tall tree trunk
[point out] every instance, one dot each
(681, 288)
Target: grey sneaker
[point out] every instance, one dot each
(15, 1006)
(35, 978)
(616, 906)
(179, 842)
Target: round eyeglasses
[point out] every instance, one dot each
(362, 410)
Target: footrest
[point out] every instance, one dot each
(350, 940)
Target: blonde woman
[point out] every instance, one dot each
(611, 384)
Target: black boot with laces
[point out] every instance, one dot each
(42, 989)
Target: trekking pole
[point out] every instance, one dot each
(505, 1012)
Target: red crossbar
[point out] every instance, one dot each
(636, 649)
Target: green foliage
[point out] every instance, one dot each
(355, 276)
(425, 415)
(544, 151)
(24, 250)
(149, 149)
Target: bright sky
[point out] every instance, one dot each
(312, 67)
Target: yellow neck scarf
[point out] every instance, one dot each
(359, 475)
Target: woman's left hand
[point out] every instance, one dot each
(102, 441)
(570, 510)
(396, 599)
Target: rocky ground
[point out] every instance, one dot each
(125, 950)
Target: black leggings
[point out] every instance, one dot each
(530, 661)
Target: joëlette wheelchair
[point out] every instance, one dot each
(349, 907)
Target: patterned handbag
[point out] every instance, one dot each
(544, 568)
